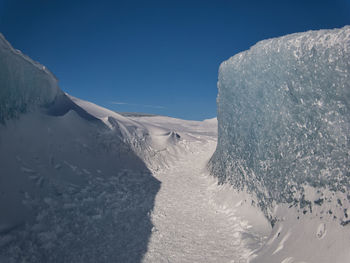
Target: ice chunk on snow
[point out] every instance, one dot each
(284, 116)
(321, 230)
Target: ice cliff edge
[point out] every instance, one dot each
(24, 83)
(284, 119)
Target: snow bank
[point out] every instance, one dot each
(25, 84)
(284, 117)
(71, 189)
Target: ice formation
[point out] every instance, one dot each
(25, 84)
(70, 186)
(284, 119)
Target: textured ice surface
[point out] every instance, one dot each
(283, 116)
(24, 84)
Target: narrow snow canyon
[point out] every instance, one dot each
(266, 182)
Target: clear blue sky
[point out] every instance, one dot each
(153, 56)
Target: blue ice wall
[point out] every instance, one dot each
(284, 116)
(24, 84)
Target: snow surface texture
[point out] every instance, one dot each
(284, 116)
(25, 84)
(194, 219)
(284, 125)
(71, 191)
(87, 198)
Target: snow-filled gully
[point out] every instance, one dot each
(80, 183)
(188, 225)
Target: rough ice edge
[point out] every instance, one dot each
(291, 37)
(311, 38)
(26, 85)
(5, 44)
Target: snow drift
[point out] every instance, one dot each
(77, 180)
(284, 125)
(72, 188)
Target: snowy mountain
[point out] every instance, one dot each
(283, 118)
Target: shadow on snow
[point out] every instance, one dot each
(71, 191)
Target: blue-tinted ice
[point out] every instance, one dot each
(284, 116)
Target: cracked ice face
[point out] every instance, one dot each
(283, 113)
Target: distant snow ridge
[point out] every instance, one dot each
(24, 83)
(284, 118)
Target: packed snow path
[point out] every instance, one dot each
(188, 226)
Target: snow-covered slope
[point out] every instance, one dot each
(284, 125)
(77, 181)
(154, 139)
(71, 188)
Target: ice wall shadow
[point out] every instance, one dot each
(87, 196)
